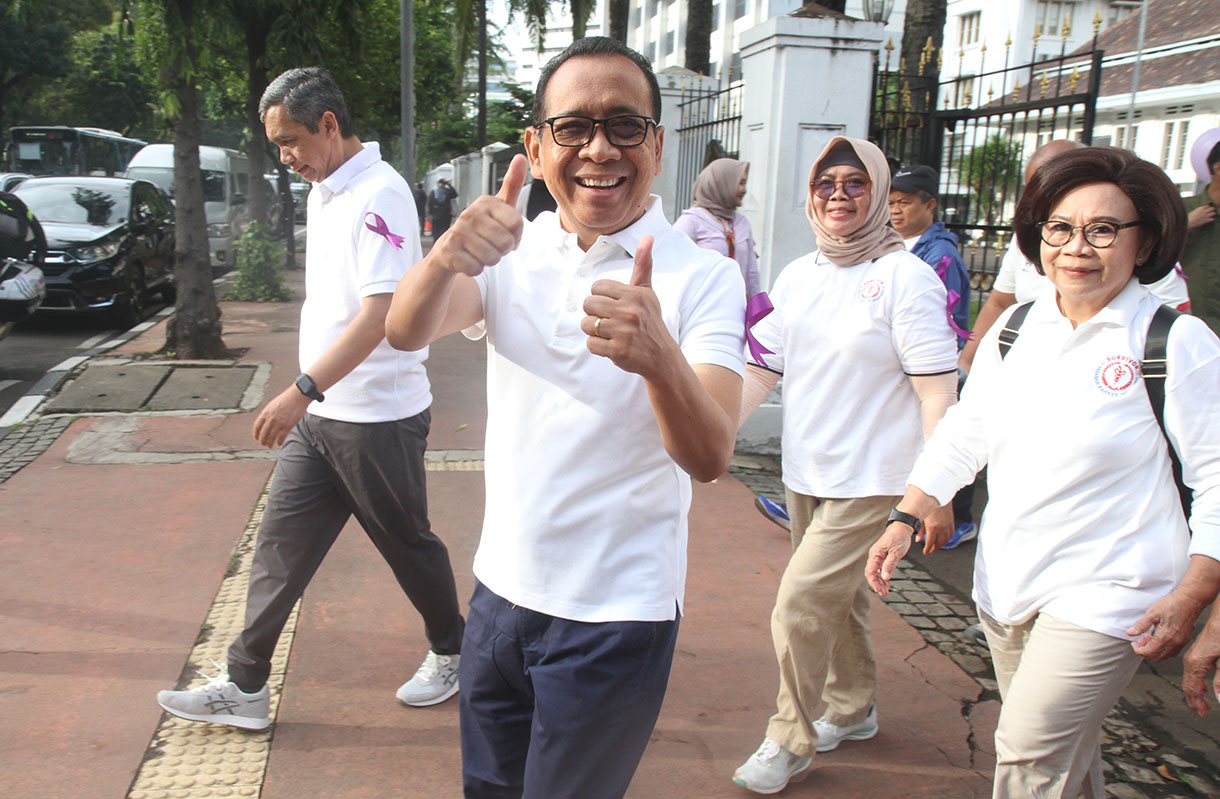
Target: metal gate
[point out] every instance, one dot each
(709, 128)
(978, 131)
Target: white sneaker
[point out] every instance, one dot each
(221, 702)
(831, 735)
(436, 681)
(771, 768)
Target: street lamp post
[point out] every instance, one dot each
(878, 10)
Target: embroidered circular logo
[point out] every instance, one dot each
(1117, 374)
(871, 290)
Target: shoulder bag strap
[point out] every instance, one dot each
(1008, 335)
(1155, 369)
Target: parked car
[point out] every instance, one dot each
(11, 180)
(300, 196)
(110, 242)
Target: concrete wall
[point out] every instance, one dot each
(806, 80)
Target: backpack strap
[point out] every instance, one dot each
(1009, 334)
(1155, 369)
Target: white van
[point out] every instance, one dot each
(225, 181)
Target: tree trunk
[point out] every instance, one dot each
(925, 20)
(481, 21)
(193, 332)
(699, 36)
(922, 40)
(257, 199)
(620, 15)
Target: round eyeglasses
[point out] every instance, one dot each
(625, 130)
(852, 187)
(1097, 234)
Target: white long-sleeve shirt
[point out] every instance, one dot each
(1083, 519)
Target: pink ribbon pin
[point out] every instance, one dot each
(756, 309)
(942, 269)
(382, 229)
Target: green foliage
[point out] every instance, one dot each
(259, 261)
(992, 171)
(103, 87)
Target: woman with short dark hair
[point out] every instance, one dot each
(1085, 562)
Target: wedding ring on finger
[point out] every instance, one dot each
(597, 327)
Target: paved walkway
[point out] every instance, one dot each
(125, 544)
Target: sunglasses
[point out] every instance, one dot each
(852, 187)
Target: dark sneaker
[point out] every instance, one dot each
(773, 511)
(220, 702)
(967, 531)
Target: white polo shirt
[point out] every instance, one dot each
(586, 515)
(1083, 520)
(1019, 277)
(846, 339)
(350, 255)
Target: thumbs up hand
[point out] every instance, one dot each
(486, 231)
(624, 320)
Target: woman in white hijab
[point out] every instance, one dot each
(858, 330)
(713, 221)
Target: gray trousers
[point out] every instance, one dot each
(326, 472)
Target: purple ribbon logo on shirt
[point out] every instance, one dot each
(756, 309)
(942, 269)
(382, 229)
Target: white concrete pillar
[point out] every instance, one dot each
(674, 82)
(806, 80)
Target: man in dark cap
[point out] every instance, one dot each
(913, 201)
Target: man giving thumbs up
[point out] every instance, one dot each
(614, 372)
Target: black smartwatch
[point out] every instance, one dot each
(906, 518)
(309, 388)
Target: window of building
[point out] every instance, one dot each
(650, 8)
(715, 16)
(963, 91)
(650, 51)
(1052, 14)
(968, 28)
(740, 8)
(667, 44)
(635, 18)
(735, 68)
(1173, 144)
(1116, 11)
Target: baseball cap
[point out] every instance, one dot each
(910, 179)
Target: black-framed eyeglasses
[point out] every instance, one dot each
(625, 130)
(1098, 234)
(852, 187)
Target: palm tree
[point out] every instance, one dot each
(699, 36)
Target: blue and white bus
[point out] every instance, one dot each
(61, 150)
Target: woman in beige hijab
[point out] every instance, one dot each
(713, 221)
(857, 328)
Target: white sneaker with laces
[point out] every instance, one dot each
(771, 768)
(831, 735)
(220, 701)
(436, 681)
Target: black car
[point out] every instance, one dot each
(110, 242)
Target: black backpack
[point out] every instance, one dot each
(1154, 367)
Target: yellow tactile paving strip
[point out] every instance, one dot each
(189, 760)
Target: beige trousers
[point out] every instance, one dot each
(820, 622)
(1057, 682)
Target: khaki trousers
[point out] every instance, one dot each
(820, 622)
(1057, 682)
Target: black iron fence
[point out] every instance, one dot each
(709, 127)
(978, 131)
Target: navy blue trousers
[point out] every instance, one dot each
(553, 708)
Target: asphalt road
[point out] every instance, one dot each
(38, 344)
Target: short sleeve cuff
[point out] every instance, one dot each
(933, 482)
